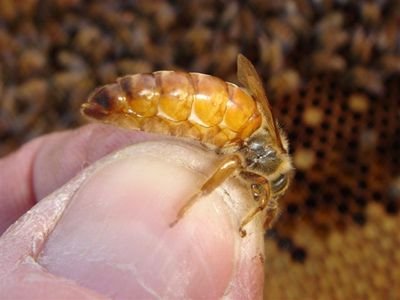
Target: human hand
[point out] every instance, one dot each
(104, 234)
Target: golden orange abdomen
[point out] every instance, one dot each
(191, 105)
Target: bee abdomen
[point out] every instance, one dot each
(141, 94)
(183, 104)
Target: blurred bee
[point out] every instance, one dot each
(327, 61)
(237, 123)
(368, 79)
(284, 82)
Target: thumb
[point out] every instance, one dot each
(106, 233)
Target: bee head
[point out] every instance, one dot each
(261, 157)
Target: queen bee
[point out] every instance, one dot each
(235, 122)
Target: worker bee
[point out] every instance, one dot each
(237, 123)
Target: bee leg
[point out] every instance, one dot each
(225, 169)
(272, 211)
(261, 192)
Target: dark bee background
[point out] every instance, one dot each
(332, 73)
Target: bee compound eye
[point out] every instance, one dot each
(279, 184)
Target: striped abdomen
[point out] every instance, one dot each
(190, 105)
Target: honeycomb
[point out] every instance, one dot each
(356, 263)
(332, 73)
(339, 221)
(346, 148)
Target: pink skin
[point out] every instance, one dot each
(102, 232)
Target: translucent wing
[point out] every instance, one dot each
(247, 75)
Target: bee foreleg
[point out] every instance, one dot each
(225, 169)
(261, 192)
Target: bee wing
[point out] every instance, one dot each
(248, 76)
